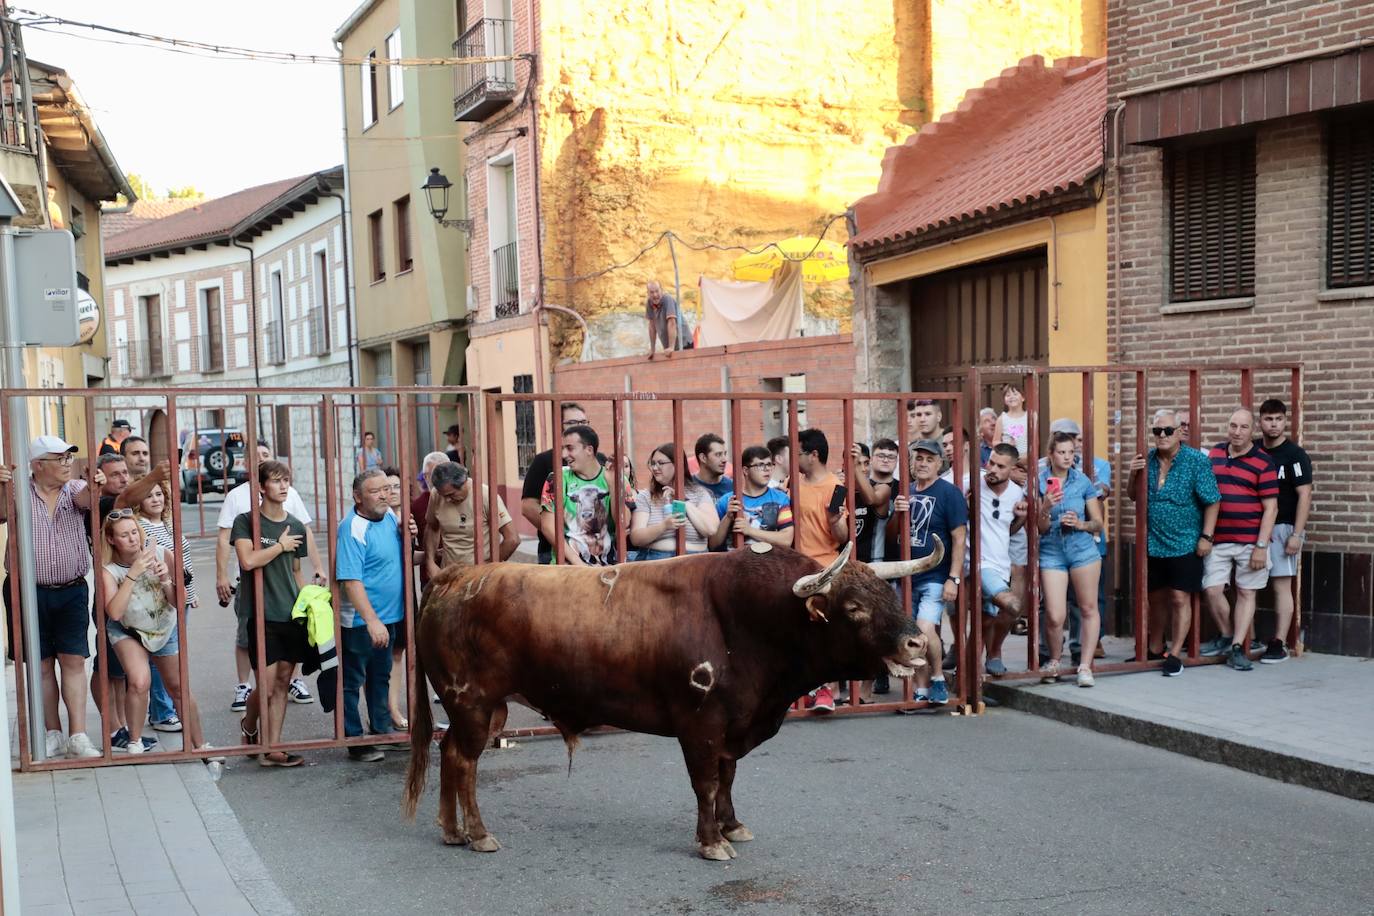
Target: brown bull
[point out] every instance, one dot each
(710, 649)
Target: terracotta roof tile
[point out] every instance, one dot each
(112, 224)
(1027, 134)
(205, 220)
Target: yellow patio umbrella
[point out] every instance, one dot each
(824, 260)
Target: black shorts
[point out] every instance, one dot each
(62, 623)
(285, 642)
(1181, 573)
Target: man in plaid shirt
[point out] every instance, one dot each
(62, 558)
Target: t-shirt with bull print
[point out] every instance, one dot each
(588, 523)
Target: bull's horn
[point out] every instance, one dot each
(897, 569)
(819, 583)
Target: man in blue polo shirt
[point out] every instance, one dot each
(368, 568)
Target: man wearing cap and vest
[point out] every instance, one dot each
(114, 442)
(62, 558)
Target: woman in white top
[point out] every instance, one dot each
(654, 525)
(141, 623)
(1013, 423)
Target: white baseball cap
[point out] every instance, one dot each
(48, 445)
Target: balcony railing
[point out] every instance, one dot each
(208, 353)
(317, 332)
(145, 359)
(274, 344)
(481, 89)
(505, 274)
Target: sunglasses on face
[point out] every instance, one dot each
(1163, 432)
(996, 507)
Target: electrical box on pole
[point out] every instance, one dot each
(45, 289)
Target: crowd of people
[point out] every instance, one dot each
(1231, 518)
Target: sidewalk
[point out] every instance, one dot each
(1307, 721)
(156, 839)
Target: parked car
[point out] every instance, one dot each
(213, 463)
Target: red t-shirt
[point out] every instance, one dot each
(1243, 483)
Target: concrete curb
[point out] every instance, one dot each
(240, 859)
(1273, 764)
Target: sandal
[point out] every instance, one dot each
(280, 759)
(248, 737)
(1049, 674)
(400, 723)
(995, 667)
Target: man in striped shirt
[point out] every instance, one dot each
(1249, 504)
(62, 558)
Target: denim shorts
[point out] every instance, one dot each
(993, 583)
(928, 599)
(644, 553)
(1065, 552)
(116, 632)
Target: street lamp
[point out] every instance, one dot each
(436, 188)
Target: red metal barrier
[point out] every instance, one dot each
(1033, 376)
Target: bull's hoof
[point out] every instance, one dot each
(456, 839)
(740, 834)
(718, 852)
(487, 843)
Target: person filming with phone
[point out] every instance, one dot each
(660, 511)
(1068, 519)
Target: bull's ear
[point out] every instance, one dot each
(816, 606)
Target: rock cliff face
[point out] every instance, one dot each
(736, 124)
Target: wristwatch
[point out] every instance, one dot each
(1261, 544)
(955, 579)
(1206, 537)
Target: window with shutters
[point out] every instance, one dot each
(1350, 204)
(1211, 221)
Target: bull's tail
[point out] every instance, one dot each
(421, 725)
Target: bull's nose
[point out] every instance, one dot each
(912, 644)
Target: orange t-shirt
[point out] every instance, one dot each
(813, 521)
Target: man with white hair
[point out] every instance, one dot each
(62, 559)
(1182, 502)
(987, 429)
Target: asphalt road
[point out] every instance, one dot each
(1003, 814)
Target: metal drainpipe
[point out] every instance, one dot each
(348, 274)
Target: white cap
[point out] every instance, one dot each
(48, 445)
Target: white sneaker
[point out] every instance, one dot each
(135, 747)
(56, 744)
(79, 745)
(299, 693)
(1085, 677)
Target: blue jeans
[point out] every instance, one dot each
(369, 668)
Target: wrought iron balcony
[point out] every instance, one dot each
(317, 332)
(274, 344)
(145, 359)
(505, 272)
(482, 89)
(208, 353)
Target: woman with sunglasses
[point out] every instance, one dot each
(141, 623)
(654, 524)
(1068, 518)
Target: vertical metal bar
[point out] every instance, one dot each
(480, 501)
(1295, 433)
(314, 442)
(1194, 434)
(736, 454)
(618, 490)
(193, 444)
(488, 432)
(405, 415)
(178, 573)
(1033, 530)
(12, 453)
(259, 616)
(102, 644)
(1247, 389)
(1090, 468)
(329, 419)
(904, 533)
(851, 485)
(680, 476)
(962, 614)
(794, 481)
(556, 411)
(1140, 558)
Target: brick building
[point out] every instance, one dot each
(1241, 213)
(244, 291)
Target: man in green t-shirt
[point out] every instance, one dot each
(278, 554)
(588, 523)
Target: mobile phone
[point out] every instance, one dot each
(837, 499)
(679, 507)
(1053, 485)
